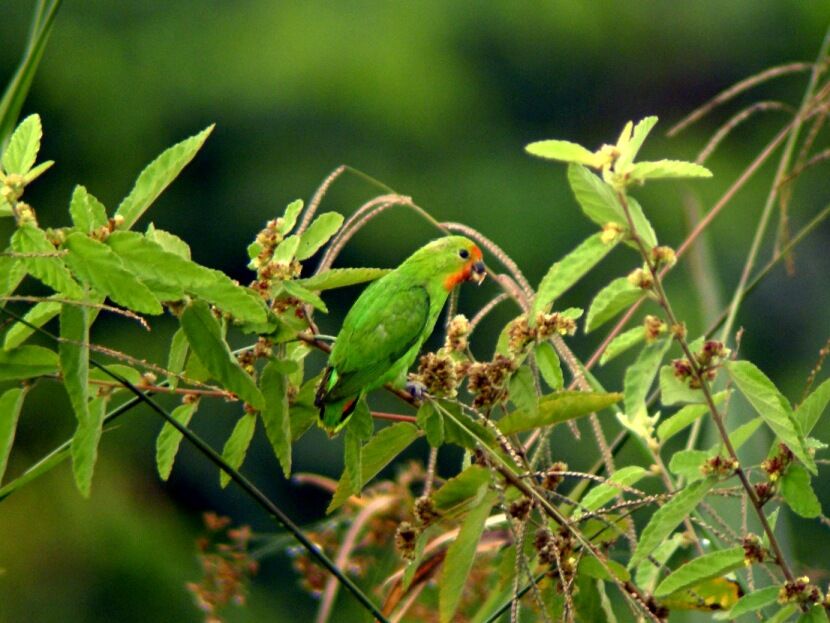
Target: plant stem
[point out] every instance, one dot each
(707, 393)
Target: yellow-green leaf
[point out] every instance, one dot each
(169, 439)
(610, 301)
(11, 403)
(702, 568)
(751, 602)
(564, 151)
(555, 408)
(21, 153)
(236, 447)
(27, 362)
(622, 343)
(549, 365)
(32, 242)
(341, 278)
(88, 214)
(798, 493)
(38, 315)
(318, 234)
(663, 169)
(275, 416)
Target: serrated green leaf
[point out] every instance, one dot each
(304, 295)
(674, 391)
(809, 411)
(815, 614)
(687, 463)
(605, 492)
(341, 278)
(205, 337)
(462, 430)
(169, 439)
(593, 568)
(622, 343)
(741, 435)
(96, 264)
(84, 447)
(167, 241)
(564, 151)
(166, 272)
(701, 569)
(157, 176)
(432, 423)
(610, 301)
(459, 560)
(549, 365)
(38, 315)
(88, 214)
(669, 427)
(522, 390)
(648, 572)
(352, 459)
(21, 153)
(11, 403)
(663, 169)
(641, 223)
(27, 362)
(637, 381)
(632, 147)
(772, 407)
(36, 171)
(555, 408)
(12, 272)
(289, 217)
(286, 249)
(377, 453)
(318, 234)
(28, 239)
(567, 271)
(177, 356)
(668, 516)
(798, 493)
(276, 415)
(751, 602)
(595, 197)
(461, 492)
(236, 447)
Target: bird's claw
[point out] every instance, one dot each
(416, 390)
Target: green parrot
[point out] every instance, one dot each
(386, 327)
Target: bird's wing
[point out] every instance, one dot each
(382, 327)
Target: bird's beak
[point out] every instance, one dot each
(478, 272)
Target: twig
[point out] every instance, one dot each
(52, 299)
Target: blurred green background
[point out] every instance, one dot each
(437, 100)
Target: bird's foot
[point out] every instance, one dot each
(415, 389)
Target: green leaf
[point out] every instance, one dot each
(205, 337)
(622, 343)
(610, 301)
(306, 296)
(687, 463)
(798, 492)
(592, 567)
(381, 449)
(669, 427)
(463, 491)
(276, 416)
(648, 572)
(522, 390)
(303, 412)
(772, 407)
(751, 602)
(564, 151)
(84, 447)
(605, 492)
(236, 447)
(632, 147)
(286, 249)
(595, 197)
(555, 408)
(157, 176)
(88, 214)
(11, 403)
(815, 614)
(318, 234)
(663, 169)
(549, 366)
(462, 430)
(638, 380)
(167, 241)
(668, 516)
(177, 356)
(432, 423)
(741, 435)
(783, 614)
(12, 272)
(362, 423)
(459, 560)
(809, 411)
(37, 171)
(570, 269)
(352, 459)
(96, 264)
(27, 362)
(164, 271)
(21, 153)
(38, 316)
(674, 391)
(289, 217)
(169, 439)
(50, 270)
(341, 278)
(642, 225)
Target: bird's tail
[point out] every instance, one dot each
(333, 413)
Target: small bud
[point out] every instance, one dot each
(678, 331)
(405, 538)
(611, 232)
(682, 369)
(754, 551)
(654, 327)
(720, 466)
(425, 512)
(520, 509)
(663, 256)
(640, 278)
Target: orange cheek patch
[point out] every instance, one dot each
(455, 278)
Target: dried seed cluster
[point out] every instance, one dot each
(754, 551)
(458, 333)
(800, 591)
(556, 550)
(776, 465)
(406, 537)
(553, 477)
(707, 360)
(488, 381)
(520, 333)
(438, 374)
(720, 466)
(654, 327)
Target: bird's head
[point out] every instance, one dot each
(453, 259)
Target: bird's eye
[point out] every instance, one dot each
(464, 254)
